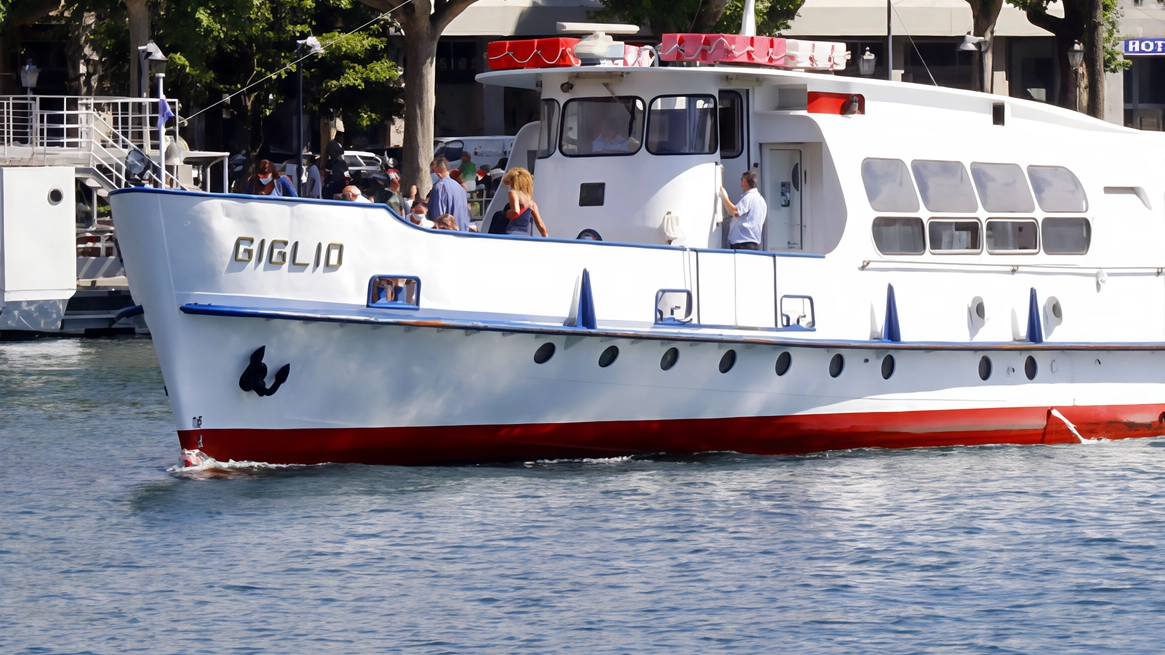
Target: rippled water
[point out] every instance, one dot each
(102, 549)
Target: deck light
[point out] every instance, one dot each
(1075, 55)
(866, 63)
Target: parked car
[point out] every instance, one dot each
(483, 150)
(362, 164)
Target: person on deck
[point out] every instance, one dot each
(749, 214)
(315, 184)
(352, 193)
(268, 181)
(340, 179)
(468, 168)
(523, 212)
(609, 139)
(449, 197)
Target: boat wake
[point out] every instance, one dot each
(583, 460)
(196, 464)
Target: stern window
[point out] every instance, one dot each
(944, 185)
(1057, 189)
(1010, 236)
(547, 128)
(1066, 236)
(955, 236)
(899, 236)
(602, 127)
(1002, 188)
(682, 125)
(889, 187)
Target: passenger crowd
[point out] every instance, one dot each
(447, 206)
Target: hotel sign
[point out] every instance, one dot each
(1142, 47)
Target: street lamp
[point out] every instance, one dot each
(866, 63)
(153, 57)
(1075, 58)
(28, 76)
(306, 47)
(977, 44)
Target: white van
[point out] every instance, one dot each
(483, 150)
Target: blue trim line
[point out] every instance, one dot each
(655, 333)
(442, 233)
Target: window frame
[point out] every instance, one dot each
(909, 177)
(1016, 219)
(740, 119)
(553, 134)
(955, 219)
(923, 196)
(895, 253)
(1036, 193)
(1023, 175)
(606, 99)
(715, 125)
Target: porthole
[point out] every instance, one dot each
(727, 361)
(669, 359)
(609, 356)
(984, 367)
(887, 367)
(836, 365)
(1030, 368)
(544, 353)
(55, 197)
(784, 361)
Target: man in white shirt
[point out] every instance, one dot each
(352, 194)
(749, 214)
(609, 140)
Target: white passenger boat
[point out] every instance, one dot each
(940, 267)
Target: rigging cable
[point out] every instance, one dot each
(915, 45)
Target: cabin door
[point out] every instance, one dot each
(782, 181)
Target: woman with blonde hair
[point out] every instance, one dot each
(523, 210)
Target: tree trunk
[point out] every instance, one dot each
(1067, 31)
(139, 34)
(420, 101)
(984, 14)
(85, 59)
(1094, 57)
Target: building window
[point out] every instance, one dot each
(682, 125)
(944, 186)
(1057, 189)
(899, 235)
(888, 185)
(1002, 188)
(593, 127)
(731, 124)
(1012, 236)
(547, 128)
(1066, 236)
(955, 236)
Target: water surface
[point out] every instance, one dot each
(103, 549)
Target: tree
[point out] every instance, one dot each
(984, 14)
(700, 16)
(139, 34)
(422, 21)
(1092, 23)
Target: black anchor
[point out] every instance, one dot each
(254, 377)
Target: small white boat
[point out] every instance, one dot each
(939, 267)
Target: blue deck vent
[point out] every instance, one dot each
(890, 330)
(1035, 331)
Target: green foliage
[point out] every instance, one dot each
(664, 16)
(772, 16)
(1114, 61)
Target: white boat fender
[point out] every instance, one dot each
(254, 377)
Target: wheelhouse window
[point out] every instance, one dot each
(889, 187)
(955, 236)
(899, 235)
(1066, 236)
(1002, 188)
(593, 127)
(1057, 189)
(1012, 236)
(731, 124)
(682, 125)
(944, 186)
(547, 128)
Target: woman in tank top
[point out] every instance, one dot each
(523, 212)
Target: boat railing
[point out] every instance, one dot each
(868, 264)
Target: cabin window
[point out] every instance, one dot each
(889, 187)
(955, 236)
(682, 125)
(1002, 188)
(1012, 236)
(1066, 236)
(1057, 189)
(731, 122)
(547, 128)
(602, 127)
(944, 185)
(899, 236)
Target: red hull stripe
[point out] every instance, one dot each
(784, 435)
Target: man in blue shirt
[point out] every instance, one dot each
(750, 212)
(449, 197)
